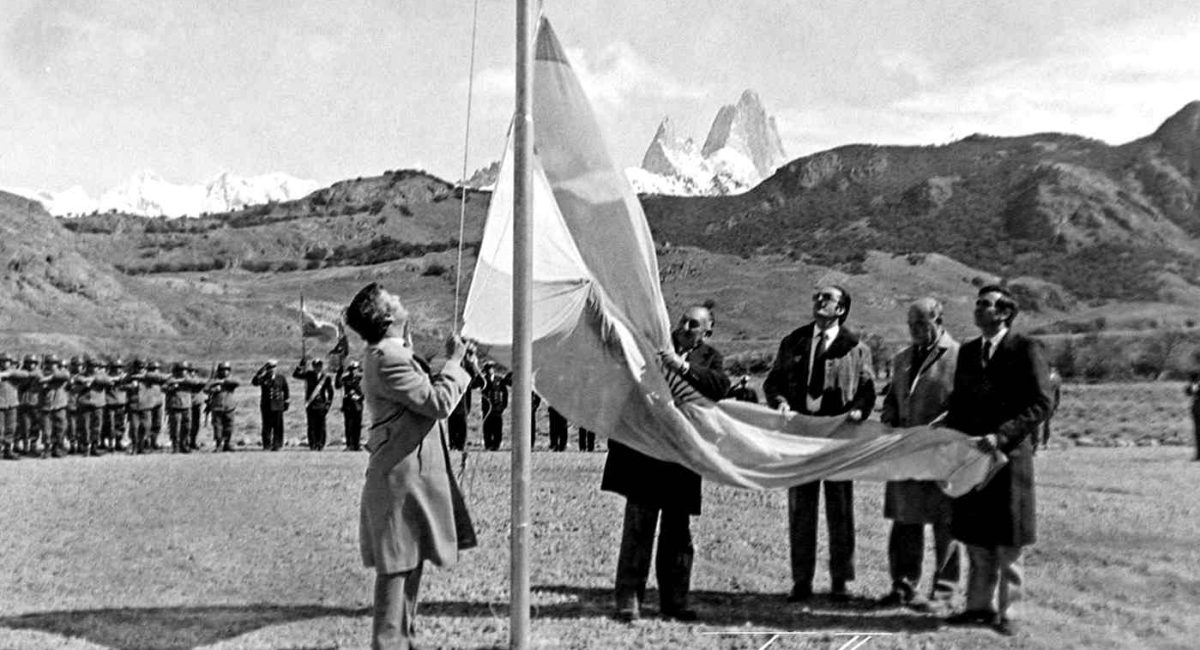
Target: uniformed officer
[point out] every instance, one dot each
(318, 398)
(9, 404)
(90, 388)
(272, 403)
(53, 405)
(116, 410)
(221, 406)
(349, 380)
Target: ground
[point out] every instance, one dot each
(259, 550)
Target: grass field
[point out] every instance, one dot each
(259, 550)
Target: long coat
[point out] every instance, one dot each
(1010, 398)
(412, 509)
(915, 398)
(652, 482)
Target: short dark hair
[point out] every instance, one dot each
(1005, 301)
(844, 302)
(366, 317)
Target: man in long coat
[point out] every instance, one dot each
(1001, 394)
(923, 376)
(411, 510)
(655, 489)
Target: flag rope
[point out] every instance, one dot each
(462, 204)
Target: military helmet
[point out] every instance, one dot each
(178, 366)
(224, 365)
(76, 361)
(136, 364)
(52, 360)
(4, 356)
(152, 365)
(187, 365)
(30, 360)
(117, 363)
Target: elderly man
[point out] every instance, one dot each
(1001, 394)
(412, 511)
(655, 489)
(923, 376)
(822, 369)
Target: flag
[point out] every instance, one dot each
(599, 320)
(315, 328)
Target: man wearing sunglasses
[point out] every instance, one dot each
(822, 369)
(1001, 394)
(655, 489)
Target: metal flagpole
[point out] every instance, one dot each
(522, 346)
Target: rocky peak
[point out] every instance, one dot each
(745, 128)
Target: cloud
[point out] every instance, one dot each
(908, 64)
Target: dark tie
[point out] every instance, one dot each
(987, 353)
(816, 382)
(918, 359)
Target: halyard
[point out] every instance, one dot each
(259, 550)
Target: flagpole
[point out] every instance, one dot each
(522, 348)
(303, 342)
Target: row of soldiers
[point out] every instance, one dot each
(89, 406)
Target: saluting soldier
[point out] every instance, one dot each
(152, 383)
(318, 398)
(74, 369)
(90, 388)
(349, 380)
(10, 400)
(138, 407)
(116, 409)
(272, 403)
(196, 386)
(179, 408)
(221, 406)
(53, 405)
(29, 416)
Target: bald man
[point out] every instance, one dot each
(922, 380)
(655, 489)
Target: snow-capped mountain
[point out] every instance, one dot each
(742, 148)
(148, 194)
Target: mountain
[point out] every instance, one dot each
(148, 194)
(742, 148)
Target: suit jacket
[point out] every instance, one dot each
(1010, 398)
(916, 398)
(411, 507)
(849, 374)
(274, 396)
(649, 481)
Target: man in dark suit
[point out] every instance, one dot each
(822, 369)
(1001, 394)
(653, 487)
(273, 401)
(494, 399)
(318, 398)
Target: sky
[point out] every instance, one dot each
(93, 91)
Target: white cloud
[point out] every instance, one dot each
(909, 64)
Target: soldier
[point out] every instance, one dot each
(272, 403)
(152, 383)
(221, 406)
(9, 403)
(90, 388)
(116, 410)
(29, 420)
(318, 398)
(75, 370)
(53, 405)
(179, 408)
(196, 386)
(350, 381)
(494, 397)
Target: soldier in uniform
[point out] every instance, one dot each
(29, 419)
(494, 397)
(196, 387)
(9, 403)
(349, 380)
(152, 383)
(53, 405)
(74, 387)
(90, 387)
(272, 404)
(318, 398)
(139, 417)
(221, 406)
(115, 405)
(179, 408)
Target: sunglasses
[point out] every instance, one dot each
(984, 303)
(825, 296)
(690, 323)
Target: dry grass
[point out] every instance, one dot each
(258, 550)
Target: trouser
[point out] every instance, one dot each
(29, 427)
(673, 562)
(906, 548)
(803, 502)
(222, 424)
(558, 431)
(994, 579)
(456, 428)
(179, 426)
(71, 431)
(272, 432)
(155, 424)
(587, 440)
(8, 428)
(395, 611)
(352, 418)
(197, 418)
(88, 427)
(54, 428)
(493, 430)
(1196, 431)
(316, 427)
(114, 424)
(139, 431)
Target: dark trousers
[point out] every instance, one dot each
(197, 418)
(906, 548)
(558, 431)
(179, 425)
(493, 430)
(316, 427)
(272, 429)
(587, 440)
(803, 503)
(155, 424)
(352, 418)
(139, 430)
(113, 428)
(222, 423)
(1196, 431)
(8, 428)
(395, 610)
(54, 428)
(89, 426)
(673, 563)
(29, 426)
(69, 433)
(456, 428)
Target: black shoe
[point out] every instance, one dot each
(627, 615)
(971, 617)
(894, 598)
(9, 455)
(1004, 626)
(800, 595)
(682, 614)
(838, 592)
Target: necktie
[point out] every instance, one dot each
(816, 379)
(918, 359)
(987, 352)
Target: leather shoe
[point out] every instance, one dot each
(1004, 626)
(971, 617)
(893, 598)
(800, 595)
(838, 592)
(682, 614)
(627, 615)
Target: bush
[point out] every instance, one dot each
(434, 269)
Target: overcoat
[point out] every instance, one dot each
(411, 507)
(918, 396)
(652, 482)
(1009, 397)
(849, 375)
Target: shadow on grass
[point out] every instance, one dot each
(168, 628)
